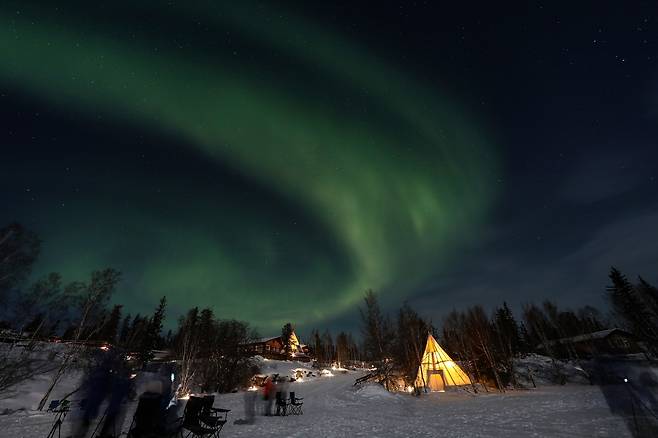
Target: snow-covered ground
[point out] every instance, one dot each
(334, 407)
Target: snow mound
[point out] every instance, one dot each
(545, 371)
(374, 391)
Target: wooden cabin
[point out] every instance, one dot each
(273, 348)
(611, 342)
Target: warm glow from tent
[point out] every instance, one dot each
(437, 370)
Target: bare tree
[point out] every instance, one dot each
(539, 330)
(19, 248)
(188, 350)
(94, 297)
(479, 330)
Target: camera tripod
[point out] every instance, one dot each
(100, 423)
(57, 425)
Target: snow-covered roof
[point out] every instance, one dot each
(601, 334)
(263, 340)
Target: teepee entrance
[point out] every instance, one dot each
(437, 370)
(435, 380)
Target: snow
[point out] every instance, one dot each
(541, 369)
(334, 407)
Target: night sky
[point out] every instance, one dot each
(274, 160)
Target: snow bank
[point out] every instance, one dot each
(374, 391)
(542, 370)
(26, 395)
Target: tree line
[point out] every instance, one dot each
(79, 313)
(210, 349)
(486, 344)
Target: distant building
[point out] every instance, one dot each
(273, 348)
(611, 342)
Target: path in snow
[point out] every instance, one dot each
(333, 407)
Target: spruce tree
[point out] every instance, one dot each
(206, 332)
(151, 338)
(318, 347)
(19, 249)
(109, 331)
(286, 334)
(124, 333)
(649, 294)
(342, 348)
(632, 310)
(373, 328)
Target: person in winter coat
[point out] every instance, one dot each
(268, 395)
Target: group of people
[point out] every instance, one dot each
(109, 383)
(273, 385)
(269, 389)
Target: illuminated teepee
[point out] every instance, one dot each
(294, 343)
(437, 370)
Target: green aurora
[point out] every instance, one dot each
(386, 177)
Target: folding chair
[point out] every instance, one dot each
(193, 422)
(147, 421)
(214, 417)
(281, 404)
(295, 404)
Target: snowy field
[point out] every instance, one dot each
(333, 407)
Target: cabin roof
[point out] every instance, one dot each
(601, 334)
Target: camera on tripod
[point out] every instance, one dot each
(61, 409)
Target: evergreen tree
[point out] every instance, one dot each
(34, 326)
(508, 342)
(412, 331)
(124, 333)
(508, 329)
(19, 249)
(151, 339)
(590, 319)
(649, 295)
(109, 331)
(632, 310)
(286, 334)
(328, 344)
(352, 348)
(168, 340)
(525, 345)
(206, 332)
(373, 328)
(136, 332)
(342, 349)
(318, 347)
